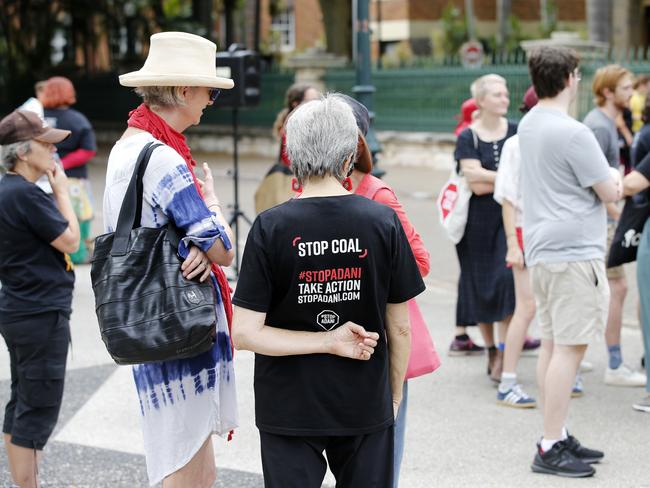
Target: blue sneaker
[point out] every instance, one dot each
(578, 388)
(515, 397)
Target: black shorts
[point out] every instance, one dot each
(38, 348)
(362, 461)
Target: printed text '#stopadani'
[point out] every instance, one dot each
(325, 275)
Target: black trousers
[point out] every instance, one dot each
(363, 461)
(38, 348)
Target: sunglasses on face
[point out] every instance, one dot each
(214, 93)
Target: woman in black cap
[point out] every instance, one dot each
(37, 234)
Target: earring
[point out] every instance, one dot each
(347, 184)
(296, 185)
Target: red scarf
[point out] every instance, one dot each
(143, 118)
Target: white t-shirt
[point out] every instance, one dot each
(506, 185)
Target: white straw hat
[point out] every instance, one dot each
(178, 59)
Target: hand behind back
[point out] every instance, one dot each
(352, 341)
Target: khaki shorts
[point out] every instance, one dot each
(572, 300)
(617, 272)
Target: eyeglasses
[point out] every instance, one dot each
(214, 93)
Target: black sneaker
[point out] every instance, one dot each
(561, 461)
(584, 454)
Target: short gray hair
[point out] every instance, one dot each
(321, 135)
(9, 153)
(161, 96)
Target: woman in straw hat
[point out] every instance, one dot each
(37, 282)
(183, 402)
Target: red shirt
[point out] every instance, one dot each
(377, 190)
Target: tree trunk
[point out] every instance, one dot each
(599, 20)
(337, 19)
(504, 8)
(543, 15)
(470, 20)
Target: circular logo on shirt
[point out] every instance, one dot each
(327, 319)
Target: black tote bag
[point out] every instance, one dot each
(628, 231)
(147, 310)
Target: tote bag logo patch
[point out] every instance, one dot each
(193, 296)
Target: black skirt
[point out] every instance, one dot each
(486, 290)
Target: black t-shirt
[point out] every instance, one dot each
(313, 264)
(641, 155)
(82, 136)
(35, 276)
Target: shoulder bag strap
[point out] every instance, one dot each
(475, 137)
(131, 209)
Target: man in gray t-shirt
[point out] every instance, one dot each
(565, 179)
(612, 88)
(564, 220)
(604, 128)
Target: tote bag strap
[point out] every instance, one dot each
(131, 209)
(475, 138)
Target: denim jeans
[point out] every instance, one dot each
(643, 282)
(400, 431)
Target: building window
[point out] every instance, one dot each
(283, 29)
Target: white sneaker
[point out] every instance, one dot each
(624, 376)
(642, 405)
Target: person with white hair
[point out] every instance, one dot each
(486, 293)
(322, 301)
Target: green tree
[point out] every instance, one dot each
(454, 27)
(26, 29)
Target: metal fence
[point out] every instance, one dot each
(429, 99)
(421, 99)
(426, 100)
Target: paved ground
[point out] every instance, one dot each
(457, 435)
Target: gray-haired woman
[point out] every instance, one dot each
(321, 295)
(183, 402)
(37, 232)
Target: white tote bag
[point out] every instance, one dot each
(453, 203)
(453, 206)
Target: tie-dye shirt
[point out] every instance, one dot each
(181, 401)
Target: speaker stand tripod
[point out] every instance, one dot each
(236, 212)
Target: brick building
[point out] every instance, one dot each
(298, 25)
